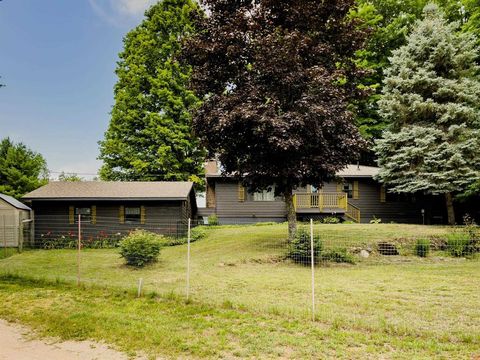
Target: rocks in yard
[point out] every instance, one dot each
(364, 254)
(385, 248)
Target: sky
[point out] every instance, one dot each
(57, 60)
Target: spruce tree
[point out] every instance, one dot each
(431, 93)
(150, 137)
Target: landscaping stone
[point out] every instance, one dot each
(364, 254)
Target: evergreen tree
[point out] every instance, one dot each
(431, 93)
(21, 169)
(150, 137)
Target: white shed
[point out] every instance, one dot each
(13, 216)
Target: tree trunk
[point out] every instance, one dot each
(291, 215)
(450, 209)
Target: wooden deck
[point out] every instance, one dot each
(325, 203)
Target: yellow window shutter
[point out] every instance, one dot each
(241, 193)
(94, 214)
(339, 187)
(71, 215)
(356, 192)
(142, 215)
(383, 194)
(121, 215)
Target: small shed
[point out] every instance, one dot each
(14, 218)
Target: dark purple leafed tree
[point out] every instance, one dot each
(276, 78)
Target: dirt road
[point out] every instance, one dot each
(16, 344)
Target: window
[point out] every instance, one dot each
(85, 214)
(265, 195)
(348, 189)
(132, 215)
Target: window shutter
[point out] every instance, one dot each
(94, 214)
(356, 193)
(121, 215)
(339, 187)
(241, 193)
(142, 215)
(71, 215)
(383, 194)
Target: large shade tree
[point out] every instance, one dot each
(431, 93)
(21, 169)
(276, 78)
(150, 135)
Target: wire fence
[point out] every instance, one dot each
(252, 266)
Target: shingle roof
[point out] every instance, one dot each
(14, 202)
(161, 190)
(349, 171)
(358, 171)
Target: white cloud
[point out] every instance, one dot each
(118, 11)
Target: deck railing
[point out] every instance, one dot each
(353, 212)
(321, 200)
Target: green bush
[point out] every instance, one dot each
(140, 247)
(300, 248)
(213, 220)
(422, 247)
(340, 255)
(198, 233)
(461, 244)
(330, 220)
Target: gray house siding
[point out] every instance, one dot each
(394, 209)
(230, 210)
(164, 217)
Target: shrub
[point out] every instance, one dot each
(375, 220)
(330, 220)
(140, 247)
(340, 255)
(197, 233)
(422, 247)
(213, 220)
(461, 244)
(300, 248)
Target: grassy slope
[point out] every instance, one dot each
(423, 308)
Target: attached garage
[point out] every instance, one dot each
(14, 220)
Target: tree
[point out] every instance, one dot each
(431, 93)
(21, 169)
(276, 79)
(71, 177)
(150, 135)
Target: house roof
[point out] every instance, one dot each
(14, 202)
(358, 171)
(351, 171)
(150, 190)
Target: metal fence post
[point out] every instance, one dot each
(188, 259)
(79, 247)
(312, 261)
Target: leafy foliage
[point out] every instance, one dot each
(140, 247)
(276, 79)
(21, 169)
(422, 247)
(213, 220)
(72, 177)
(462, 244)
(150, 136)
(340, 255)
(300, 249)
(430, 98)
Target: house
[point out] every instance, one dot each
(109, 208)
(356, 197)
(14, 220)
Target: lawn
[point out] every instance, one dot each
(249, 302)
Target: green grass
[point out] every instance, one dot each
(249, 302)
(7, 252)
